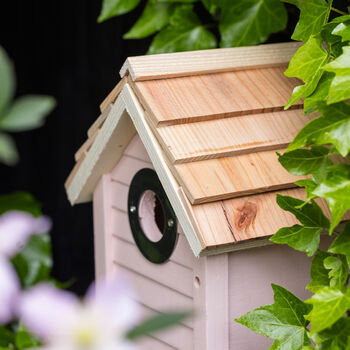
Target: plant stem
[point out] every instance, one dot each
(338, 11)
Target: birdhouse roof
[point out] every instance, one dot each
(211, 122)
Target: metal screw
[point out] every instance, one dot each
(170, 222)
(132, 209)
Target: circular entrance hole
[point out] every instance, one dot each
(151, 216)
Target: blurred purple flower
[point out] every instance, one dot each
(64, 323)
(9, 290)
(15, 229)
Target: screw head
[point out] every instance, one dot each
(132, 209)
(170, 223)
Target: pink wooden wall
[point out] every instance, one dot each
(219, 288)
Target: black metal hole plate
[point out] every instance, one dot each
(160, 251)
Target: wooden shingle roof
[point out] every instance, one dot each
(212, 122)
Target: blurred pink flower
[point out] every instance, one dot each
(64, 323)
(15, 229)
(9, 290)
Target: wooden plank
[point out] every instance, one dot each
(157, 156)
(170, 274)
(157, 296)
(85, 147)
(99, 121)
(247, 218)
(110, 99)
(182, 254)
(215, 96)
(103, 238)
(229, 177)
(207, 61)
(230, 136)
(116, 133)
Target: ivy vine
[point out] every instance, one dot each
(320, 150)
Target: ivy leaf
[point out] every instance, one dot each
(309, 185)
(303, 162)
(306, 65)
(154, 17)
(27, 113)
(8, 150)
(313, 15)
(310, 215)
(111, 8)
(250, 22)
(319, 274)
(336, 337)
(184, 33)
(283, 321)
(305, 238)
(329, 305)
(340, 86)
(7, 81)
(338, 273)
(335, 189)
(33, 263)
(343, 30)
(341, 244)
(332, 127)
(210, 5)
(319, 95)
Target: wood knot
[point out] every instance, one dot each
(246, 215)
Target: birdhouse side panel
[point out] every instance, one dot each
(158, 287)
(251, 273)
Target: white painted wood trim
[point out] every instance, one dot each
(207, 61)
(156, 154)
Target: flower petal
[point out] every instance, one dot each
(15, 229)
(46, 310)
(9, 290)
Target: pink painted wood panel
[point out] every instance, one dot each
(251, 273)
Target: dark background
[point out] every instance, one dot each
(59, 49)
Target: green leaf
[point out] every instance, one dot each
(303, 162)
(309, 185)
(336, 337)
(7, 81)
(332, 127)
(250, 22)
(25, 340)
(319, 274)
(338, 273)
(313, 15)
(33, 263)
(335, 189)
(340, 85)
(319, 95)
(27, 113)
(157, 323)
(310, 215)
(304, 239)
(6, 337)
(111, 8)
(154, 17)
(341, 244)
(343, 30)
(329, 305)
(283, 321)
(211, 5)
(184, 33)
(8, 150)
(23, 201)
(306, 65)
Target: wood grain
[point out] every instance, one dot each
(99, 121)
(215, 96)
(207, 61)
(230, 136)
(112, 96)
(230, 177)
